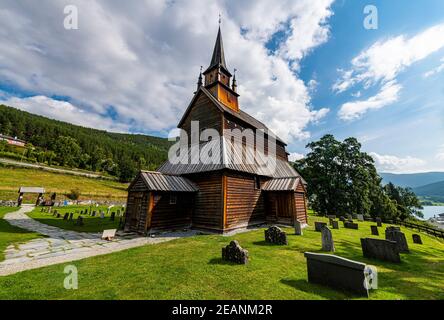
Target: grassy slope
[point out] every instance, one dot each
(192, 269)
(10, 234)
(13, 178)
(91, 224)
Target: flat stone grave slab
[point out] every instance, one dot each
(380, 249)
(319, 226)
(336, 272)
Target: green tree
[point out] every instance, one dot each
(68, 151)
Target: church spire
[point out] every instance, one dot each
(199, 81)
(218, 58)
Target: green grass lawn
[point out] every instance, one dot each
(11, 235)
(192, 269)
(91, 224)
(98, 189)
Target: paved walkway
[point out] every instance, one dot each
(62, 245)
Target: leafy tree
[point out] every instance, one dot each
(68, 151)
(127, 169)
(74, 194)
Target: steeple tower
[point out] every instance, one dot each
(218, 78)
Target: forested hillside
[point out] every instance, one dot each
(59, 143)
(433, 191)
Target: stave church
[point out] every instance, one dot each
(219, 196)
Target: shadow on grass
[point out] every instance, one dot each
(220, 261)
(313, 288)
(267, 244)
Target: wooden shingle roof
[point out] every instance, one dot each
(156, 181)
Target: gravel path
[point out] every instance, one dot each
(63, 245)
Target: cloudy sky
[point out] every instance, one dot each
(305, 67)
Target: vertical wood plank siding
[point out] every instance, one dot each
(171, 216)
(245, 204)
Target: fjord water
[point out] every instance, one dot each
(430, 211)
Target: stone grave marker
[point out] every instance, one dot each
(65, 217)
(113, 216)
(298, 228)
(342, 218)
(360, 217)
(379, 222)
(336, 272)
(335, 224)
(275, 235)
(417, 238)
(58, 215)
(380, 249)
(93, 214)
(319, 226)
(330, 221)
(351, 225)
(327, 240)
(71, 215)
(395, 234)
(79, 221)
(375, 231)
(235, 253)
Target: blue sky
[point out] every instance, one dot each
(305, 68)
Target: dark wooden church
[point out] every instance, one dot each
(220, 196)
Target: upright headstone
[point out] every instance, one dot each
(335, 224)
(113, 216)
(58, 215)
(298, 228)
(275, 235)
(327, 240)
(360, 217)
(351, 225)
(342, 218)
(93, 214)
(65, 217)
(379, 222)
(394, 234)
(417, 238)
(71, 215)
(375, 231)
(330, 221)
(235, 253)
(319, 226)
(380, 249)
(102, 214)
(79, 221)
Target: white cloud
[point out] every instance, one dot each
(440, 155)
(142, 58)
(294, 156)
(384, 60)
(436, 70)
(353, 110)
(381, 64)
(394, 164)
(65, 111)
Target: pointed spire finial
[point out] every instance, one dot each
(234, 84)
(199, 82)
(220, 19)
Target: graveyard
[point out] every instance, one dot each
(193, 268)
(91, 217)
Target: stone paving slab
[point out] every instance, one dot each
(65, 245)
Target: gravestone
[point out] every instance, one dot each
(327, 240)
(102, 214)
(235, 253)
(380, 249)
(93, 214)
(58, 215)
(379, 222)
(331, 216)
(335, 224)
(360, 217)
(275, 235)
(395, 234)
(298, 228)
(336, 272)
(79, 221)
(375, 231)
(417, 238)
(319, 226)
(65, 217)
(354, 216)
(54, 213)
(113, 216)
(342, 218)
(351, 225)
(118, 212)
(330, 221)
(71, 216)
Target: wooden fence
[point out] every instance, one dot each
(422, 228)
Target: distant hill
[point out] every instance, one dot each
(413, 180)
(433, 191)
(68, 145)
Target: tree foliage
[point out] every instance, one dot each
(343, 180)
(58, 143)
